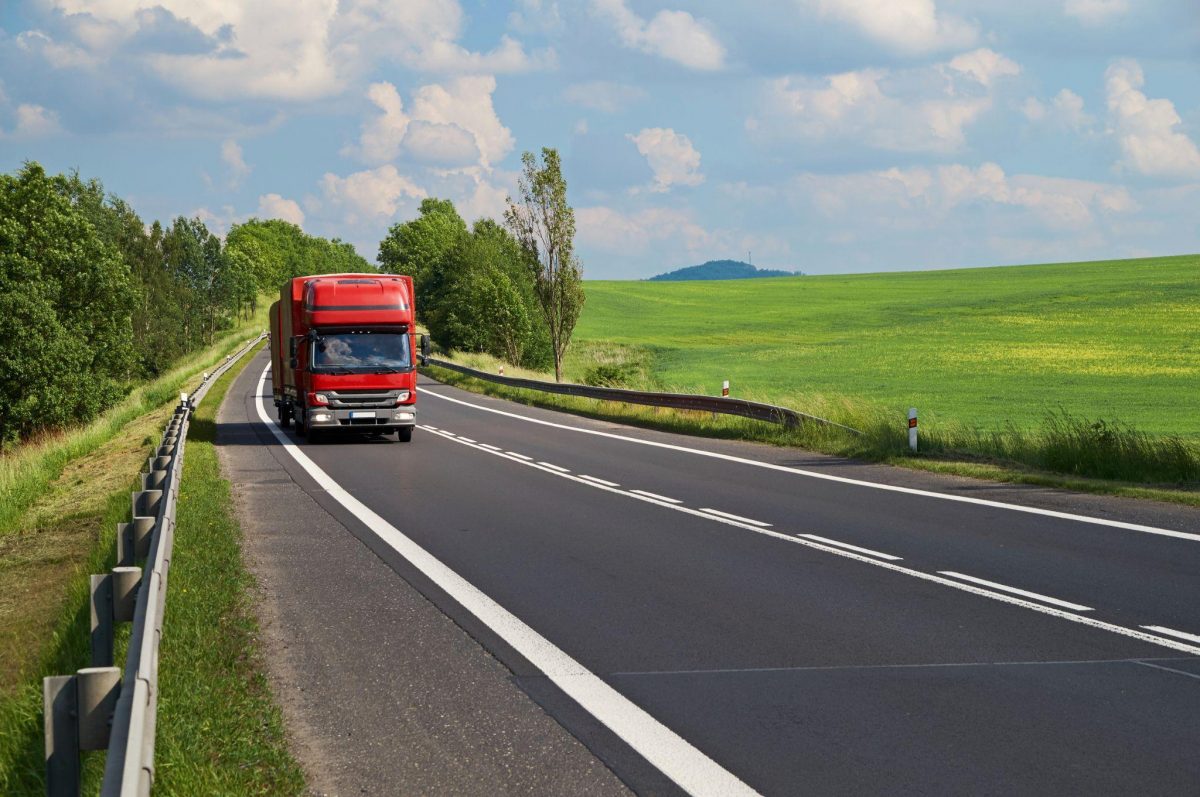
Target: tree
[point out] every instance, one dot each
(544, 226)
(420, 248)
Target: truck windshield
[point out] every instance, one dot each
(361, 352)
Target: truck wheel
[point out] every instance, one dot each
(404, 434)
(301, 424)
(285, 416)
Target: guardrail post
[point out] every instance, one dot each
(159, 463)
(96, 690)
(125, 584)
(146, 502)
(125, 544)
(61, 727)
(154, 480)
(143, 530)
(102, 620)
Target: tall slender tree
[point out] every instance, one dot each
(544, 225)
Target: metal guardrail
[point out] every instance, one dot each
(680, 401)
(96, 708)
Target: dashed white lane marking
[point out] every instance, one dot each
(431, 428)
(964, 499)
(1041, 608)
(490, 448)
(657, 497)
(738, 518)
(466, 439)
(598, 480)
(674, 756)
(519, 456)
(1172, 632)
(558, 468)
(1025, 593)
(850, 547)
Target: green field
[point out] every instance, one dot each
(1118, 340)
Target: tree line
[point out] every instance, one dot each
(513, 290)
(92, 300)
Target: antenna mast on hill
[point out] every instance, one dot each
(749, 257)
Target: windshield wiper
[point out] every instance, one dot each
(390, 371)
(337, 371)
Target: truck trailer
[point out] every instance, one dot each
(343, 356)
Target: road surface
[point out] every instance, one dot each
(522, 601)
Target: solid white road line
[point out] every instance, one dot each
(964, 499)
(738, 518)
(690, 769)
(656, 496)
(1004, 588)
(519, 456)
(1172, 632)
(799, 540)
(598, 480)
(850, 547)
(554, 467)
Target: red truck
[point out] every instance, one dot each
(342, 354)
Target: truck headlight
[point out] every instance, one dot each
(321, 417)
(404, 416)
(320, 399)
(403, 397)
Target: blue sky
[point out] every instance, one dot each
(821, 135)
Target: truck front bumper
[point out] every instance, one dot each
(364, 420)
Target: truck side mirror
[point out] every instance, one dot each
(424, 348)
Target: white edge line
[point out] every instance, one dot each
(598, 480)
(732, 516)
(848, 546)
(657, 496)
(558, 468)
(964, 499)
(1171, 631)
(666, 750)
(1015, 591)
(998, 596)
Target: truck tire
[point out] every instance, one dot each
(404, 434)
(301, 424)
(285, 415)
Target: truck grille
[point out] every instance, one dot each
(362, 399)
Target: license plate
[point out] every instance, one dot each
(362, 415)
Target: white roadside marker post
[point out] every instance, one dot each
(912, 429)
(725, 388)
(501, 370)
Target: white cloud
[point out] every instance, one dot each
(451, 125)
(370, 195)
(294, 50)
(922, 109)
(382, 135)
(984, 65)
(274, 206)
(931, 194)
(1065, 110)
(444, 145)
(1147, 129)
(611, 230)
(57, 54)
(467, 103)
(231, 155)
(1095, 12)
(604, 95)
(674, 35)
(906, 26)
(671, 156)
(34, 121)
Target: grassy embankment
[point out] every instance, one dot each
(62, 498)
(1068, 374)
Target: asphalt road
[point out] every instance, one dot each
(707, 616)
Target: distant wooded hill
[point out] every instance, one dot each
(721, 270)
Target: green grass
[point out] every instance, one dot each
(984, 348)
(1076, 375)
(219, 731)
